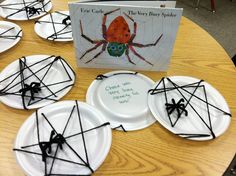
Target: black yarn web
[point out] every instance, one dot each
(181, 104)
(5, 34)
(31, 87)
(30, 8)
(65, 23)
(102, 77)
(60, 141)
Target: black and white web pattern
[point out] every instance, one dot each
(38, 81)
(6, 34)
(25, 9)
(61, 142)
(179, 108)
(60, 24)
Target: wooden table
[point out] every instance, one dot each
(154, 150)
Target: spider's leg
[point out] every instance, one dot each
(138, 55)
(135, 28)
(103, 49)
(171, 110)
(178, 112)
(38, 12)
(183, 110)
(86, 37)
(104, 27)
(139, 45)
(173, 101)
(127, 54)
(91, 49)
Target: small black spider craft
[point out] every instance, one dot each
(34, 87)
(46, 147)
(33, 10)
(179, 107)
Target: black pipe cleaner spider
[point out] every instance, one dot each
(34, 87)
(179, 107)
(33, 10)
(117, 39)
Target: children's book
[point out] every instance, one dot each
(133, 35)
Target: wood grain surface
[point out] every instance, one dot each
(154, 150)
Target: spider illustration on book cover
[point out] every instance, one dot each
(117, 39)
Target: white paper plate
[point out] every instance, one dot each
(6, 44)
(59, 80)
(15, 9)
(191, 126)
(50, 27)
(122, 98)
(97, 141)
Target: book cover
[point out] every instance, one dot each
(123, 36)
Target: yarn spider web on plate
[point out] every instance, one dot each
(24, 9)
(63, 147)
(35, 81)
(5, 34)
(10, 35)
(55, 26)
(189, 108)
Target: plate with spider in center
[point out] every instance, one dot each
(64, 138)
(24, 9)
(122, 97)
(35, 81)
(10, 35)
(55, 26)
(189, 108)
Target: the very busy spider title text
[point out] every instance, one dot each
(132, 12)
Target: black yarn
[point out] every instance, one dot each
(101, 77)
(120, 127)
(6, 36)
(58, 34)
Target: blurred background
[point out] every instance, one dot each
(221, 24)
